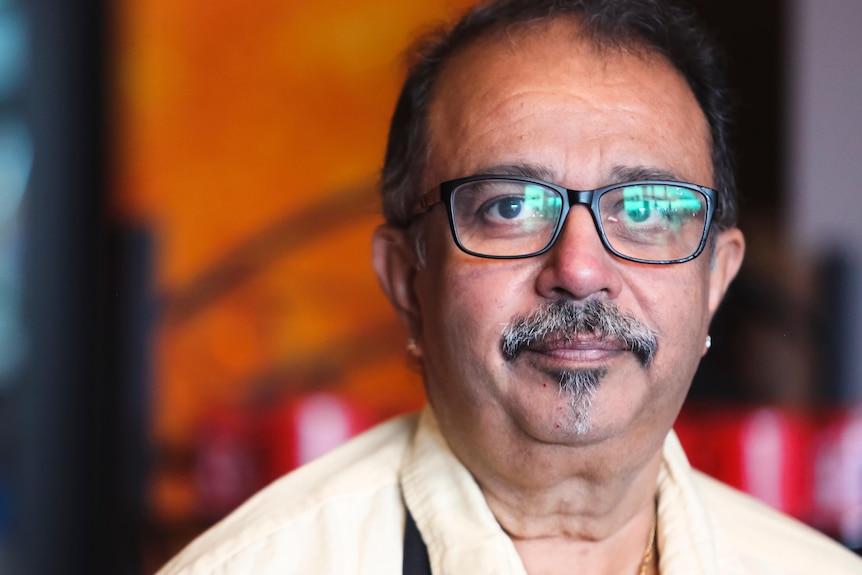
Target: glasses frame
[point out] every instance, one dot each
(589, 198)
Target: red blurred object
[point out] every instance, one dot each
(240, 450)
(305, 427)
(226, 468)
(766, 452)
(838, 472)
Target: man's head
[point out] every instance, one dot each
(582, 342)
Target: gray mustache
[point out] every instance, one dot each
(566, 319)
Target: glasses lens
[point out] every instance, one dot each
(505, 217)
(656, 222)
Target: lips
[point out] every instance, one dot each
(579, 348)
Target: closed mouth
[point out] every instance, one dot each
(588, 348)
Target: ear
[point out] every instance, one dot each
(726, 261)
(395, 263)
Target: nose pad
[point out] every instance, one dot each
(579, 265)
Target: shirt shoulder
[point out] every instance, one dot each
(770, 542)
(347, 498)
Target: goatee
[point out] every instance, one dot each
(568, 320)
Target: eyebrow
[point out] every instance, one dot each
(623, 174)
(534, 171)
(617, 175)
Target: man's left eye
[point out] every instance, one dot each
(638, 211)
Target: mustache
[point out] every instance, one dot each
(567, 320)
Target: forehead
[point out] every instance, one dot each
(542, 94)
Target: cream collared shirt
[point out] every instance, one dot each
(344, 514)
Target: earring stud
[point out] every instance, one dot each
(413, 348)
(708, 342)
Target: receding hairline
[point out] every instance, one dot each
(601, 42)
(596, 44)
(600, 39)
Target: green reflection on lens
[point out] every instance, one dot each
(636, 206)
(670, 202)
(540, 202)
(686, 201)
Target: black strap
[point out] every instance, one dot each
(416, 560)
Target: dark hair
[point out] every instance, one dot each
(654, 25)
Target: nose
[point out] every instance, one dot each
(578, 265)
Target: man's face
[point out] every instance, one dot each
(547, 100)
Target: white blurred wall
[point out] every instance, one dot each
(825, 148)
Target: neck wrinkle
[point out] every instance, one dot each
(574, 508)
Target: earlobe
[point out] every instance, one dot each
(727, 259)
(394, 261)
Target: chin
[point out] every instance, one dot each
(563, 428)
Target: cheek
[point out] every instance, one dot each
(466, 302)
(677, 307)
(469, 295)
(458, 333)
(475, 300)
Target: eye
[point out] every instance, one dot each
(507, 208)
(638, 211)
(642, 205)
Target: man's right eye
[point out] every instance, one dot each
(507, 208)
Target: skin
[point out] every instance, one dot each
(551, 101)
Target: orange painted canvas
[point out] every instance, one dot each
(250, 137)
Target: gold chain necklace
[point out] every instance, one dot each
(650, 545)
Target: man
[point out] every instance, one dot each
(560, 230)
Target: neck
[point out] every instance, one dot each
(631, 551)
(575, 537)
(582, 507)
(562, 506)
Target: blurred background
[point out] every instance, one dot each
(187, 309)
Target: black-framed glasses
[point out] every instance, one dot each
(508, 217)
